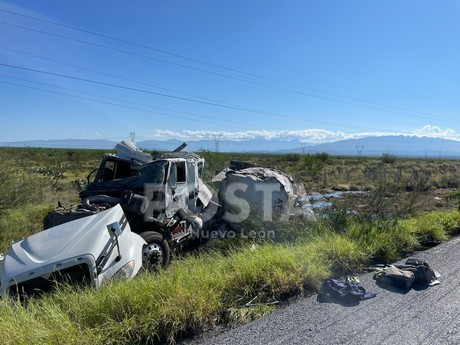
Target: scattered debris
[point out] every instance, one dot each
(404, 276)
(348, 292)
(392, 275)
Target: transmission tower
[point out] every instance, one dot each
(359, 150)
(132, 135)
(217, 142)
(304, 148)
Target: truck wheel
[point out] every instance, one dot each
(156, 253)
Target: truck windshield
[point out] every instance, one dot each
(151, 173)
(154, 172)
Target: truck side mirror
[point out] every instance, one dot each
(115, 230)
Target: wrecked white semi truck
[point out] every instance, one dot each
(87, 251)
(136, 211)
(163, 197)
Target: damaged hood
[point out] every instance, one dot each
(85, 236)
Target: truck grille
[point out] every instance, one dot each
(78, 275)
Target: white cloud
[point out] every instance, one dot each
(437, 132)
(313, 136)
(164, 134)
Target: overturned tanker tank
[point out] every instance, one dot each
(253, 192)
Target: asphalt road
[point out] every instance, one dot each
(420, 316)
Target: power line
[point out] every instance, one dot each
(109, 103)
(180, 98)
(140, 45)
(115, 85)
(128, 52)
(359, 148)
(98, 34)
(113, 75)
(397, 109)
(138, 82)
(123, 78)
(127, 101)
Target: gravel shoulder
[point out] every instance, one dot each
(420, 316)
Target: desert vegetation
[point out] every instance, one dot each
(403, 206)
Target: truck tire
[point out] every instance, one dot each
(157, 252)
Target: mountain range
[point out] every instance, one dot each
(404, 146)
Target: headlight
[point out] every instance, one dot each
(126, 271)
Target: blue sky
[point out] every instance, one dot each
(309, 70)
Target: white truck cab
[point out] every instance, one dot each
(87, 251)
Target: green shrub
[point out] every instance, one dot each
(312, 164)
(21, 222)
(383, 241)
(16, 188)
(388, 158)
(322, 156)
(340, 253)
(292, 157)
(436, 225)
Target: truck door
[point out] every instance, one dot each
(177, 194)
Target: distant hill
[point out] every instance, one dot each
(397, 145)
(405, 146)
